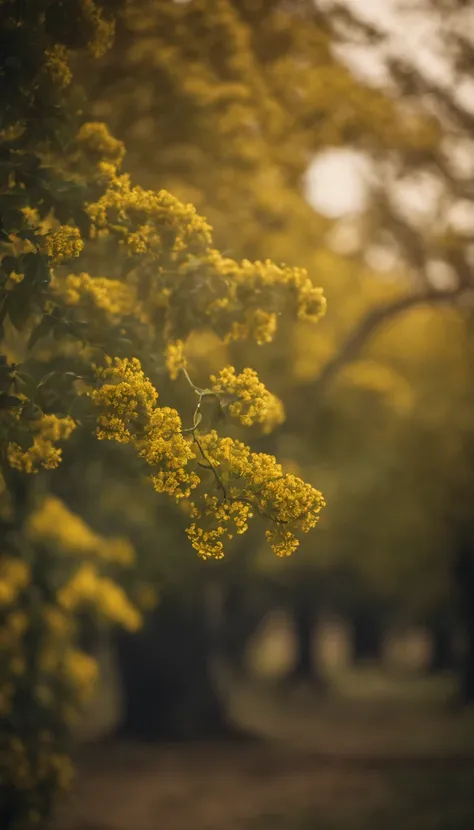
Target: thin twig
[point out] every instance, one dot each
(220, 483)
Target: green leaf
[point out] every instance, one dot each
(9, 401)
(41, 330)
(12, 220)
(27, 382)
(31, 412)
(9, 264)
(18, 306)
(24, 439)
(36, 268)
(44, 380)
(30, 234)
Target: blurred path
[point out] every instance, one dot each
(130, 787)
(331, 757)
(343, 726)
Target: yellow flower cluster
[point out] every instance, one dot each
(247, 297)
(47, 431)
(87, 588)
(198, 286)
(25, 771)
(81, 672)
(130, 415)
(226, 519)
(57, 622)
(113, 297)
(165, 449)
(12, 629)
(64, 244)
(74, 670)
(150, 223)
(250, 482)
(101, 31)
(14, 578)
(127, 402)
(251, 402)
(175, 359)
(31, 215)
(57, 65)
(257, 481)
(53, 523)
(94, 139)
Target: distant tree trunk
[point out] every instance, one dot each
(240, 620)
(467, 673)
(306, 667)
(9, 808)
(236, 631)
(442, 648)
(464, 573)
(168, 688)
(367, 635)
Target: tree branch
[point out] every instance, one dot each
(374, 319)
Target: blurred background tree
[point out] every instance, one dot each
(236, 106)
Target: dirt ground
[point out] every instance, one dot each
(383, 751)
(137, 788)
(337, 760)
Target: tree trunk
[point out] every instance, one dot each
(464, 575)
(167, 684)
(240, 620)
(467, 667)
(306, 668)
(442, 656)
(367, 636)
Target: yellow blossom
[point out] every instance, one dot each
(57, 65)
(64, 244)
(113, 604)
(80, 589)
(57, 622)
(87, 588)
(94, 138)
(102, 30)
(82, 671)
(47, 431)
(129, 414)
(113, 297)
(15, 576)
(253, 482)
(53, 523)
(126, 402)
(175, 359)
(250, 402)
(158, 219)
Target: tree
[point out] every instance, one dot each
(82, 356)
(229, 134)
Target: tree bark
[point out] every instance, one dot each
(168, 688)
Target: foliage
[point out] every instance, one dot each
(84, 354)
